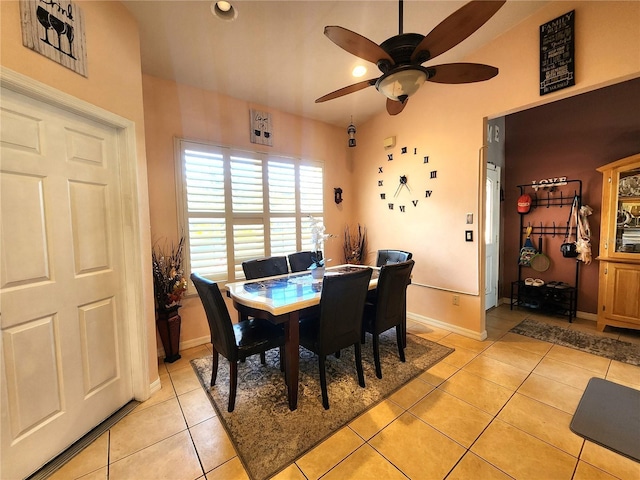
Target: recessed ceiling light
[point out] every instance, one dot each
(224, 10)
(359, 71)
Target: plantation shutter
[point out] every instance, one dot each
(204, 181)
(282, 206)
(238, 206)
(311, 201)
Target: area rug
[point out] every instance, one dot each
(609, 415)
(268, 436)
(611, 348)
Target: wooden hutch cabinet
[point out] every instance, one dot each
(619, 278)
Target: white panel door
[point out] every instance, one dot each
(492, 236)
(65, 364)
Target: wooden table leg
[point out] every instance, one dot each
(292, 352)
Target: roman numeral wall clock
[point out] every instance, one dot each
(412, 187)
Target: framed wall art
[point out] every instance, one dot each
(55, 29)
(261, 128)
(557, 53)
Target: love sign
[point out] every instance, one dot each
(548, 183)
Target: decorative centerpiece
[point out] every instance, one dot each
(318, 237)
(169, 286)
(355, 245)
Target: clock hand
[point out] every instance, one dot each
(397, 190)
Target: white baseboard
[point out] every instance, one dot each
(155, 386)
(194, 342)
(447, 326)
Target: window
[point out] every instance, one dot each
(237, 206)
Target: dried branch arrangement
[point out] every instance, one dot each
(169, 283)
(355, 245)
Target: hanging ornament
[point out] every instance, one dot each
(351, 131)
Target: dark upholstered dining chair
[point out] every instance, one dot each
(300, 261)
(339, 323)
(265, 267)
(234, 341)
(389, 309)
(385, 257)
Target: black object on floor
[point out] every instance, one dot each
(609, 414)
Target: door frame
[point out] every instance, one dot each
(495, 222)
(134, 277)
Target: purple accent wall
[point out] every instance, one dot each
(569, 137)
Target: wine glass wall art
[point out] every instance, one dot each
(55, 29)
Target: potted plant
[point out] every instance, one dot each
(318, 236)
(169, 285)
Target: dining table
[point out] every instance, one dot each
(285, 299)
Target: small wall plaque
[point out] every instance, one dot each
(261, 128)
(557, 55)
(55, 29)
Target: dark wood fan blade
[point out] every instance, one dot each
(455, 28)
(356, 44)
(394, 107)
(347, 90)
(461, 73)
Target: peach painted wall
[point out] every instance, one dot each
(173, 110)
(114, 83)
(446, 123)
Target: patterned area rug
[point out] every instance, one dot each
(611, 348)
(268, 436)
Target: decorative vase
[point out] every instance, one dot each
(168, 322)
(317, 272)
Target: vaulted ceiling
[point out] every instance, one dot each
(275, 53)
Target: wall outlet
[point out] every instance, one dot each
(456, 299)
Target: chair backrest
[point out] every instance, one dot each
(341, 309)
(386, 257)
(392, 295)
(265, 267)
(220, 326)
(300, 261)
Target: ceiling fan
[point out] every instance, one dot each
(400, 57)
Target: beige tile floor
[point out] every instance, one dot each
(495, 409)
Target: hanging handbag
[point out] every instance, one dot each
(583, 243)
(528, 251)
(568, 248)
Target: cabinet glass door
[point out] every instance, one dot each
(628, 212)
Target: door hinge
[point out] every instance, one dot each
(603, 308)
(606, 270)
(606, 246)
(609, 180)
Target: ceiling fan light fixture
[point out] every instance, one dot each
(224, 11)
(401, 83)
(359, 71)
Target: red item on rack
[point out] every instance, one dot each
(524, 203)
